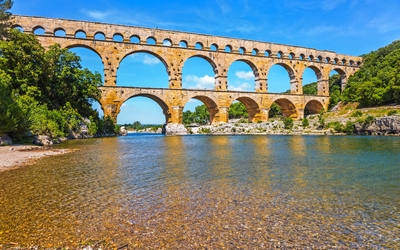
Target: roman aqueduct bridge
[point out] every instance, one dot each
(115, 42)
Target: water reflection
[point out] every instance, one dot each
(208, 191)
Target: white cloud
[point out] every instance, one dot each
(195, 82)
(242, 87)
(98, 15)
(247, 75)
(150, 60)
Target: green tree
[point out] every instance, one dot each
(287, 122)
(5, 6)
(237, 110)
(137, 125)
(275, 110)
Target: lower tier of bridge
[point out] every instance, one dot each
(172, 102)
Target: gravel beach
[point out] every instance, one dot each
(17, 155)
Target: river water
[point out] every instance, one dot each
(190, 192)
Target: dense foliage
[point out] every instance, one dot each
(200, 116)
(46, 91)
(378, 80)
(5, 6)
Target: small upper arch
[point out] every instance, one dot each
(80, 34)
(38, 30)
(99, 36)
(60, 32)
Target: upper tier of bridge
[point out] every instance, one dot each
(114, 42)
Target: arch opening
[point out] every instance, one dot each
(90, 59)
(310, 78)
(241, 76)
(280, 78)
(99, 36)
(142, 69)
(199, 110)
(254, 52)
(198, 73)
(244, 108)
(60, 32)
(167, 42)
(80, 34)
(242, 50)
(118, 38)
(183, 44)
(38, 31)
(134, 39)
(145, 110)
(151, 41)
(214, 47)
(198, 45)
(18, 27)
(267, 53)
(282, 107)
(337, 83)
(313, 107)
(228, 48)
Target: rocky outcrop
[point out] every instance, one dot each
(123, 131)
(5, 140)
(388, 125)
(174, 129)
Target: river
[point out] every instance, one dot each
(190, 192)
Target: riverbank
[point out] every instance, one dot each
(19, 155)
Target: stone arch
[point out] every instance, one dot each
(37, 30)
(313, 107)
(214, 47)
(294, 88)
(149, 52)
(80, 31)
(118, 37)
(210, 104)
(251, 65)
(319, 76)
(164, 106)
(287, 107)
(59, 30)
(151, 40)
(343, 76)
(167, 42)
(183, 44)
(208, 63)
(77, 45)
(134, 39)
(99, 33)
(252, 107)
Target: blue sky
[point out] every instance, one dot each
(351, 27)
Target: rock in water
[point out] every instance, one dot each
(174, 129)
(42, 140)
(123, 131)
(5, 140)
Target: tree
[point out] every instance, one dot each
(237, 110)
(5, 6)
(275, 110)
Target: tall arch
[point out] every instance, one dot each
(198, 72)
(242, 75)
(210, 105)
(275, 81)
(253, 109)
(143, 68)
(313, 107)
(141, 111)
(312, 82)
(343, 76)
(287, 107)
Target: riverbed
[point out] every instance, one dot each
(190, 192)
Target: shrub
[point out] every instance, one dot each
(305, 122)
(288, 122)
(357, 113)
(392, 112)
